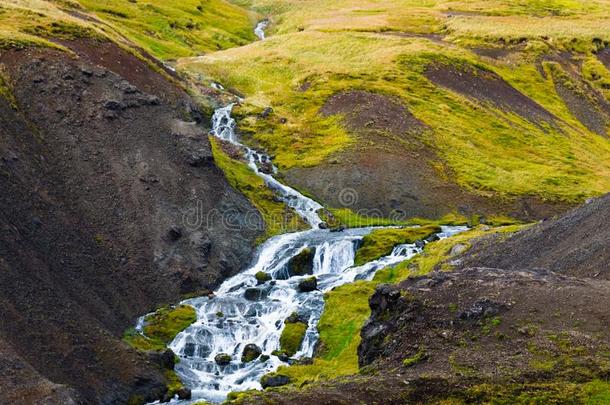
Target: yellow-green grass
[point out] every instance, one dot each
(346, 308)
(424, 16)
(172, 29)
(277, 216)
(161, 328)
(437, 253)
(380, 242)
(489, 151)
(165, 29)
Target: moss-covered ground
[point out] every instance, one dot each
(380, 242)
(165, 29)
(161, 327)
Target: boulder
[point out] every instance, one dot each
(250, 353)
(302, 263)
(222, 359)
(308, 285)
(184, 393)
(262, 277)
(274, 380)
(254, 294)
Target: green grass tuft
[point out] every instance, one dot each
(380, 242)
(161, 328)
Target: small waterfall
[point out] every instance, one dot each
(259, 31)
(245, 312)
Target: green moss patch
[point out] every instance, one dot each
(380, 242)
(292, 337)
(161, 328)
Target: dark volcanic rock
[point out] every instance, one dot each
(101, 255)
(576, 244)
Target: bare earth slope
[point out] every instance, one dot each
(110, 204)
(576, 244)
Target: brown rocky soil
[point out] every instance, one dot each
(393, 174)
(106, 183)
(488, 87)
(577, 244)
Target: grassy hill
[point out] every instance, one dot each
(165, 29)
(518, 105)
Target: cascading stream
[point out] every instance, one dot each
(243, 312)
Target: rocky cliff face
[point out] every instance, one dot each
(110, 205)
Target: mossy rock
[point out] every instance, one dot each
(292, 337)
(302, 263)
(262, 277)
(309, 284)
(250, 353)
(380, 242)
(274, 380)
(222, 359)
(161, 328)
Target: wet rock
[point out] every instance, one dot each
(482, 309)
(254, 294)
(266, 167)
(294, 318)
(250, 353)
(339, 228)
(222, 359)
(308, 285)
(274, 380)
(302, 263)
(189, 349)
(420, 244)
(184, 393)
(262, 277)
(323, 225)
(264, 358)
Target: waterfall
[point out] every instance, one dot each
(259, 31)
(245, 312)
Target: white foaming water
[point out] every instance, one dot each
(259, 31)
(223, 127)
(243, 312)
